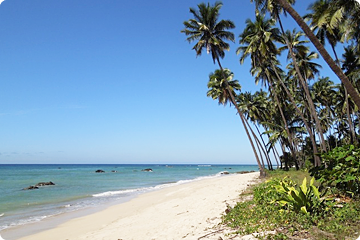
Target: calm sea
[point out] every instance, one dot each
(79, 186)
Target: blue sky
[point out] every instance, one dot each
(115, 81)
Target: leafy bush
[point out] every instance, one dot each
(305, 199)
(340, 169)
(259, 214)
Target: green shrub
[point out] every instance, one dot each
(341, 169)
(304, 199)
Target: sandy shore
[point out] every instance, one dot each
(187, 211)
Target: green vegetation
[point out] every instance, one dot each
(341, 169)
(316, 126)
(324, 218)
(305, 119)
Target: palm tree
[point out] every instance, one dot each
(217, 87)
(303, 68)
(255, 108)
(332, 64)
(211, 34)
(275, 9)
(259, 37)
(209, 31)
(323, 92)
(320, 24)
(344, 15)
(220, 89)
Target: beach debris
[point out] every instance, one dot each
(147, 170)
(224, 173)
(99, 171)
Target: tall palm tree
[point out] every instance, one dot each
(211, 34)
(220, 89)
(344, 15)
(351, 66)
(255, 108)
(217, 87)
(319, 19)
(303, 68)
(258, 38)
(275, 9)
(332, 64)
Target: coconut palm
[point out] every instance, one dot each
(351, 64)
(259, 39)
(217, 88)
(211, 34)
(323, 92)
(256, 109)
(319, 19)
(344, 15)
(304, 69)
(332, 64)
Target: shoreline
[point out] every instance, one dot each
(182, 211)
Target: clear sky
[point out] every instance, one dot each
(115, 81)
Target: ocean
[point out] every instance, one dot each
(78, 186)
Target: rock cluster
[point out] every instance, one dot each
(40, 184)
(147, 170)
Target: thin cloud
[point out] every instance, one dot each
(1, 1)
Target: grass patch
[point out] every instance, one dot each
(262, 213)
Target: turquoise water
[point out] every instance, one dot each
(78, 186)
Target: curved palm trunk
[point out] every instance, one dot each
(261, 168)
(350, 88)
(276, 159)
(307, 93)
(291, 140)
(316, 157)
(263, 144)
(352, 129)
(260, 147)
(232, 98)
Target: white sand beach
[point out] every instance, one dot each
(187, 211)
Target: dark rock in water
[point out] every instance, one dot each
(99, 171)
(31, 188)
(113, 171)
(225, 172)
(147, 170)
(41, 184)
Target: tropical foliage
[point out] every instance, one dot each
(299, 118)
(298, 114)
(341, 169)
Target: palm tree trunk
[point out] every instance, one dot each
(316, 157)
(307, 93)
(291, 140)
(264, 145)
(232, 98)
(350, 88)
(260, 147)
(351, 127)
